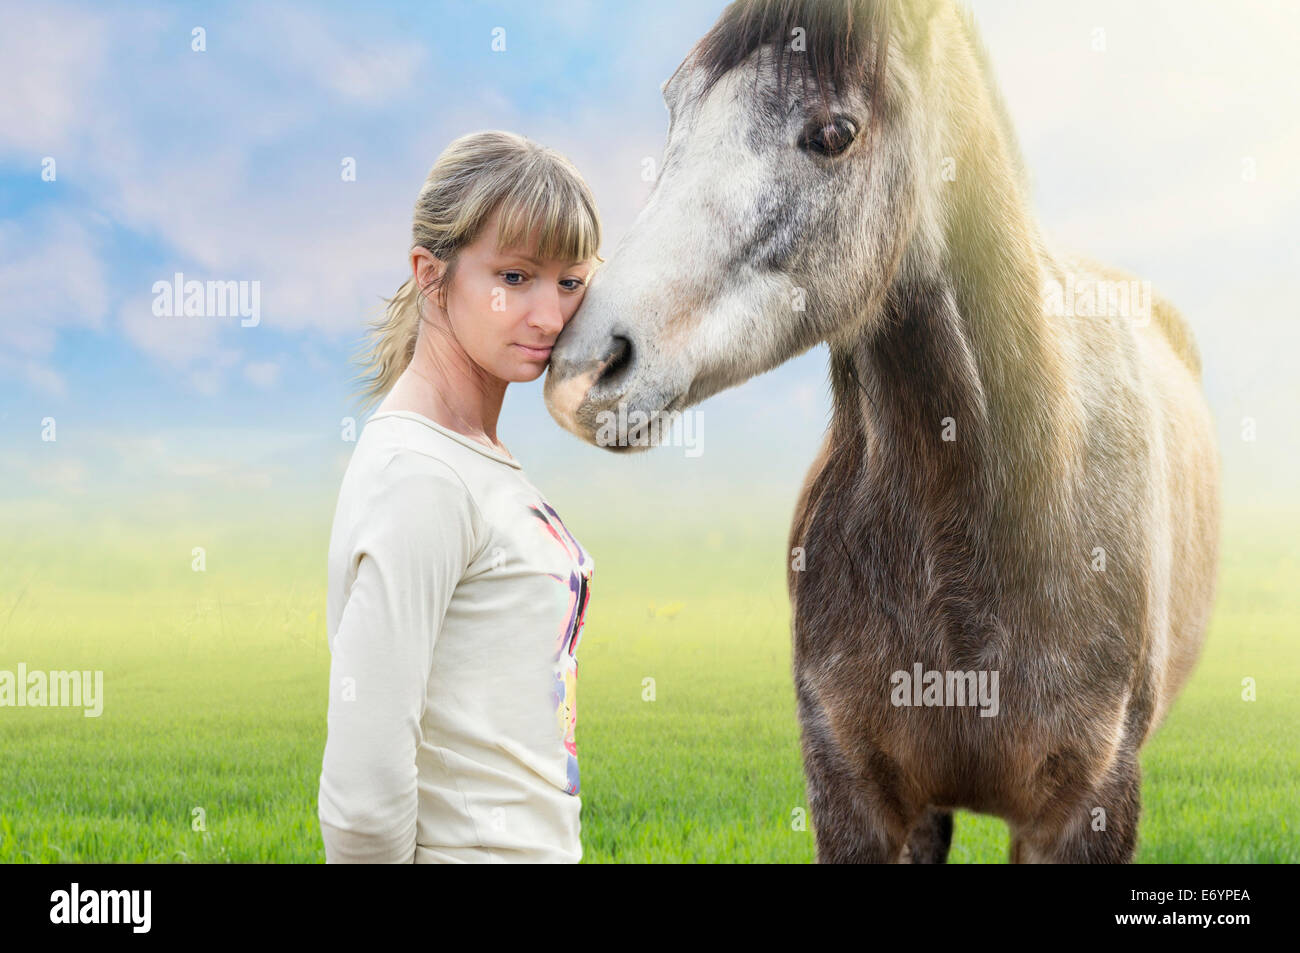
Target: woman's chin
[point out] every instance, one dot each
(525, 371)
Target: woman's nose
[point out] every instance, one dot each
(548, 316)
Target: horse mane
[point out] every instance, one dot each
(1172, 324)
(838, 38)
(1009, 137)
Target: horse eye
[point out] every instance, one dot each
(829, 138)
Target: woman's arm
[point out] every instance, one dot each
(414, 544)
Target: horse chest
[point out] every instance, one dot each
(863, 587)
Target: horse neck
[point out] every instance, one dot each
(960, 351)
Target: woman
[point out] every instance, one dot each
(456, 595)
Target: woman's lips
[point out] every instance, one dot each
(538, 353)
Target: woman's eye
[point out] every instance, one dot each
(509, 273)
(577, 283)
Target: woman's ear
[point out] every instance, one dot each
(427, 269)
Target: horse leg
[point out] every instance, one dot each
(930, 839)
(855, 816)
(1099, 828)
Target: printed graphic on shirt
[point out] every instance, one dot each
(564, 691)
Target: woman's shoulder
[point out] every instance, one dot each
(393, 467)
(393, 445)
(423, 433)
(415, 473)
(405, 493)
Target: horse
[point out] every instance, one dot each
(1017, 494)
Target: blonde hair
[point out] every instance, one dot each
(533, 186)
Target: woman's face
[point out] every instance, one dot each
(505, 308)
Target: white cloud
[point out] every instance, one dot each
(262, 374)
(52, 56)
(48, 466)
(148, 460)
(51, 280)
(323, 250)
(43, 379)
(353, 69)
(50, 277)
(193, 344)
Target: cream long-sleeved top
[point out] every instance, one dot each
(455, 605)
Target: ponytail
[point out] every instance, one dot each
(392, 345)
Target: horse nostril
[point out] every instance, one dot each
(616, 361)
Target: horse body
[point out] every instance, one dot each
(1008, 486)
(987, 559)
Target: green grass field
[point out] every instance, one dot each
(210, 742)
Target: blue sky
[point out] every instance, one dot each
(225, 164)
